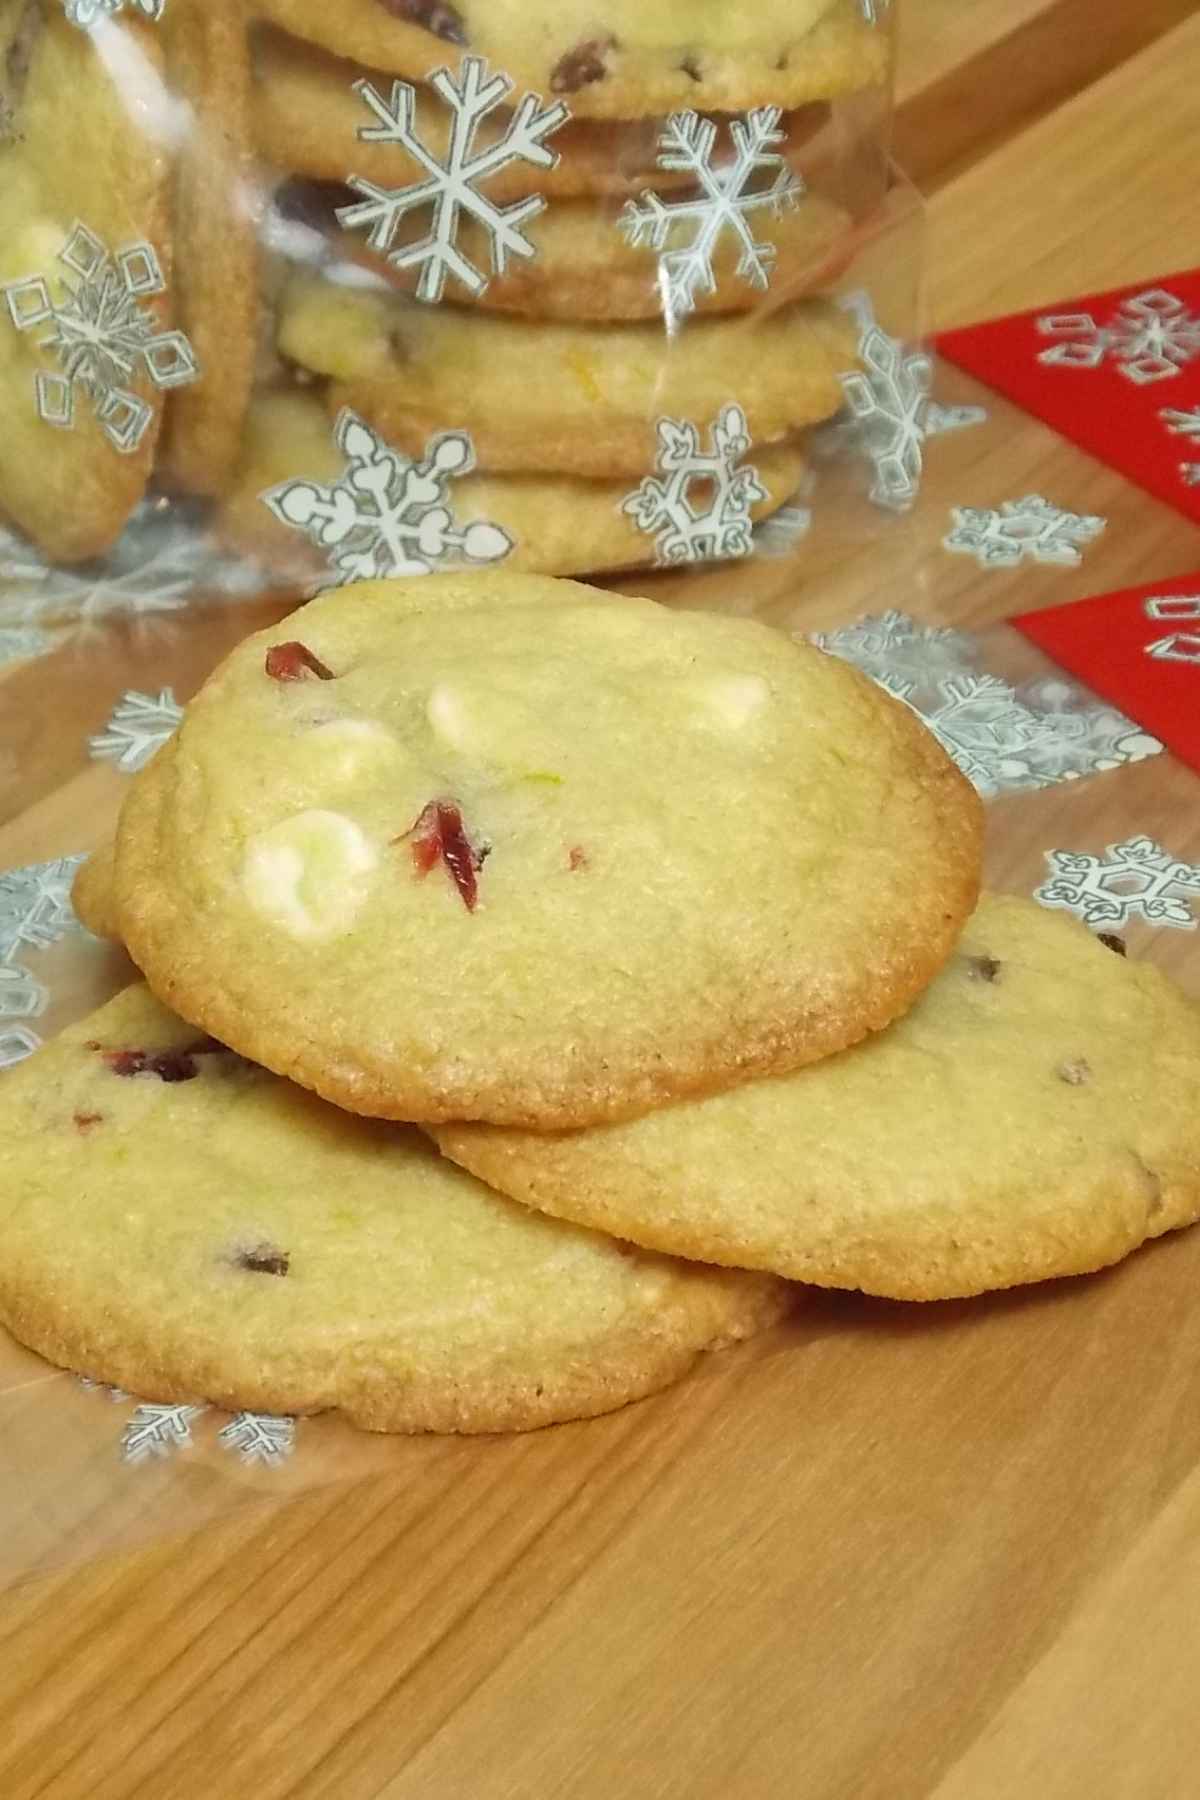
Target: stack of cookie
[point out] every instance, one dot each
(600, 275)
(659, 925)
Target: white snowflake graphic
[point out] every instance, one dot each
(24, 641)
(874, 11)
(1179, 646)
(1004, 739)
(890, 415)
(1150, 337)
(1172, 606)
(386, 515)
(1030, 528)
(259, 1437)
(779, 535)
(157, 1431)
(1182, 424)
(35, 905)
(35, 910)
(84, 13)
(942, 419)
(725, 204)
(453, 190)
(889, 403)
(893, 645)
(101, 336)
(1189, 473)
(1132, 878)
(139, 725)
(720, 527)
(164, 555)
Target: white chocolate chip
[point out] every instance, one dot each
(344, 748)
(306, 874)
(448, 716)
(734, 699)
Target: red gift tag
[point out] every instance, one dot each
(1118, 373)
(1140, 649)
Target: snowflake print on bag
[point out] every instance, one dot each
(138, 727)
(101, 336)
(890, 403)
(84, 13)
(259, 1437)
(35, 910)
(721, 527)
(1136, 877)
(1031, 528)
(453, 190)
(724, 204)
(157, 1431)
(386, 515)
(1150, 337)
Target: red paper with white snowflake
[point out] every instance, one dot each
(1118, 373)
(1140, 648)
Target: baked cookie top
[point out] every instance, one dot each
(182, 1224)
(621, 60)
(503, 847)
(1037, 1113)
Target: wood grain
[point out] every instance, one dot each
(885, 1553)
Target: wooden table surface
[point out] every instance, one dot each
(886, 1553)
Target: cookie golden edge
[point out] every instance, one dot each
(632, 1366)
(791, 1032)
(910, 1262)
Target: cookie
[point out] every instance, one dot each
(500, 847)
(584, 268)
(92, 893)
(578, 399)
(1036, 1114)
(557, 525)
(85, 272)
(215, 205)
(622, 60)
(308, 115)
(298, 1259)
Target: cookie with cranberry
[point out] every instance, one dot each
(500, 847)
(181, 1224)
(1035, 1114)
(557, 525)
(85, 277)
(575, 398)
(622, 60)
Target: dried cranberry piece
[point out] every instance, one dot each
(291, 662)
(1111, 941)
(438, 835)
(85, 1120)
(581, 66)
(264, 1259)
(168, 1065)
(433, 15)
(578, 858)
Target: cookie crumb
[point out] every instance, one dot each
(577, 858)
(1112, 942)
(264, 1259)
(582, 66)
(983, 968)
(1076, 1072)
(290, 662)
(85, 1120)
(432, 15)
